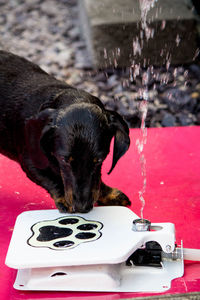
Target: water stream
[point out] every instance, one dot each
(145, 32)
(140, 147)
(141, 73)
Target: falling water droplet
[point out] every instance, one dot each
(175, 72)
(178, 40)
(163, 24)
(105, 53)
(168, 64)
(136, 47)
(118, 51)
(196, 53)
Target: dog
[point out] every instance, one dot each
(59, 135)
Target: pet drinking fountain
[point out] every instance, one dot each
(108, 249)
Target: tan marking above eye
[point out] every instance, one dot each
(70, 159)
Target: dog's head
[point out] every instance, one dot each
(73, 142)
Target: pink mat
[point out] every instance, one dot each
(172, 195)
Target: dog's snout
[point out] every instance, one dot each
(82, 207)
(82, 202)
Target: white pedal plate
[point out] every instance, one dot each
(87, 252)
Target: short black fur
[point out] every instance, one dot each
(59, 135)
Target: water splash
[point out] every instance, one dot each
(145, 6)
(135, 70)
(146, 31)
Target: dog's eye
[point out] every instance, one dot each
(67, 159)
(70, 159)
(97, 160)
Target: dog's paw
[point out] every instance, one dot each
(114, 197)
(62, 205)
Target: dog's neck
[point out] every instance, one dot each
(56, 98)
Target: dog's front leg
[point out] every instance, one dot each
(50, 181)
(112, 196)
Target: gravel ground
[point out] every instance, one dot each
(47, 33)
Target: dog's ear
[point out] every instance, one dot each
(120, 130)
(35, 128)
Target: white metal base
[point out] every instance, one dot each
(95, 265)
(101, 278)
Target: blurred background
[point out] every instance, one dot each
(120, 51)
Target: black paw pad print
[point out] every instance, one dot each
(64, 233)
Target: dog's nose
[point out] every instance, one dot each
(83, 208)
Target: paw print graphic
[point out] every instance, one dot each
(64, 233)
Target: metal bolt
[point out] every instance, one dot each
(168, 248)
(141, 225)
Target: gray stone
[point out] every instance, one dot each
(74, 33)
(185, 119)
(112, 27)
(168, 120)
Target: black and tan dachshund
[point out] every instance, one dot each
(59, 135)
